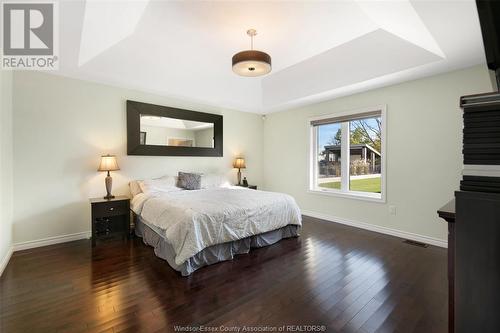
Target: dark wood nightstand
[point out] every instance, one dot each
(252, 187)
(110, 217)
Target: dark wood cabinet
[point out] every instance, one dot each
(475, 234)
(447, 212)
(110, 217)
(477, 262)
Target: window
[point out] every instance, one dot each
(348, 154)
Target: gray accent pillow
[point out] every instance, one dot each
(190, 181)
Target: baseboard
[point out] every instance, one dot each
(5, 260)
(380, 229)
(51, 240)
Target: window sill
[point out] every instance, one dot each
(372, 197)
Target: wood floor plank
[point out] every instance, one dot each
(348, 279)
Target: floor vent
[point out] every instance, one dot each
(415, 243)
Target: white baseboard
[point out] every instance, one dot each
(5, 260)
(51, 240)
(380, 229)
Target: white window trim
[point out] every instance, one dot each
(312, 165)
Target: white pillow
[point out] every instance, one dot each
(163, 184)
(135, 188)
(214, 181)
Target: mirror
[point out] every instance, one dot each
(164, 131)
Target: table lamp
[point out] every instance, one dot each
(239, 164)
(108, 163)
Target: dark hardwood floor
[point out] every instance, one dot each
(349, 280)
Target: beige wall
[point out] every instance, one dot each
(424, 158)
(62, 126)
(6, 203)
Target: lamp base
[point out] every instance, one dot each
(109, 185)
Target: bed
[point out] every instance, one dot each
(194, 228)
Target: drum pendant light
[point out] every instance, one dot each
(251, 62)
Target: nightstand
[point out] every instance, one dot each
(110, 217)
(252, 187)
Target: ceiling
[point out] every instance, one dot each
(319, 50)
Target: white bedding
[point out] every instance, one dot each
(194, 220)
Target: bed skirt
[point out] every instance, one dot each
(213, 254)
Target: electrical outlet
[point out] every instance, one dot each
(392, 210)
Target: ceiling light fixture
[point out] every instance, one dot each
(251, 62)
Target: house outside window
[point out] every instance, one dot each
(347, 154)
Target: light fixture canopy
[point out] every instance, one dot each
(251, 62)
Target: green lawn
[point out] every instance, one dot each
(362, 185)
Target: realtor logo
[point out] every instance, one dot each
(29, 36)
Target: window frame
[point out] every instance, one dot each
(345, 148)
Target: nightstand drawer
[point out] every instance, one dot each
(111, 208)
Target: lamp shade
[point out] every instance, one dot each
(108, 163)
(239, 163)
(251, 63)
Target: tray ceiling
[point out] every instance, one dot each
(319, 50)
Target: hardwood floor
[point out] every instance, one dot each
(349, 280)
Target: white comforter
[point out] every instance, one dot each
(194, 220)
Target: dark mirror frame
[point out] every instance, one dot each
(134, 111)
